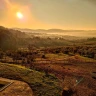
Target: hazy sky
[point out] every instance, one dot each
(65, 14)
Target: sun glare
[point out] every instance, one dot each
(19, 15)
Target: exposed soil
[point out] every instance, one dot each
(17, 88)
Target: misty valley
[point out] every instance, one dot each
(51, 64)
(47, 47)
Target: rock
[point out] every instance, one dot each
(94, 75)
(17, 88)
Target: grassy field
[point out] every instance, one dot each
(76, 74)
(38, 81)
(49, 79)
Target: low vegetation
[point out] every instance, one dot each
(38, 81)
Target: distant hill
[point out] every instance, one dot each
(7, 39)
(11, 39)
(18, 34)
(39, 30)
(51, 30)
(78, 33)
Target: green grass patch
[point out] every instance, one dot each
(41, 84)
(56, 56)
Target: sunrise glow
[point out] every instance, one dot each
(19, 15)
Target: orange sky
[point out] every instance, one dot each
(48, 14)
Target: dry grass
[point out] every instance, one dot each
(38, 81)
(71, 73)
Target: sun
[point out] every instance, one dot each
(19, 15)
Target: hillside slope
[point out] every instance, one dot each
(7, 40)
(38, 81)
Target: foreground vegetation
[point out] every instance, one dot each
(40, 83)
(74, 74)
